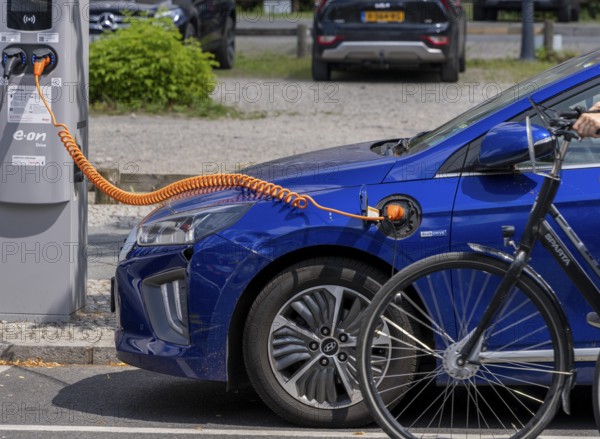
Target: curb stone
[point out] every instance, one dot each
(88, 338)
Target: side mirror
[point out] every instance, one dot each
(507, 144)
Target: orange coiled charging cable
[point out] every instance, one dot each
(224, 181)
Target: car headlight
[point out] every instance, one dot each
(189, 227)
(176, 14)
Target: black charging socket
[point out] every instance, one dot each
(43, 52)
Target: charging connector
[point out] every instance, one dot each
(39, 65)
(395, 212)
(44, 61)
(14, 60)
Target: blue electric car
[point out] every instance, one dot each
(229, 285)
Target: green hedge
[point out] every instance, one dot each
(147, 64)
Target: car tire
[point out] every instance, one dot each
(450, 69)
(321, 70)
(563, 15)
(478, 11)
(575, 13)
(189, 32)
(462, 62)
(491, 14)
(305, 312)
(225, 54)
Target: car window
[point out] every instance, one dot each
(581, 153)
(586, 151)
(490, 106)
(342, 11)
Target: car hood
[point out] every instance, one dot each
(342, 166)
(325, 168)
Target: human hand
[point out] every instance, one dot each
(588, 124)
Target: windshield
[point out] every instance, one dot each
(490, 106)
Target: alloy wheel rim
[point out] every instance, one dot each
(312, 346)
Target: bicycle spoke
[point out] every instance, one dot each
(433, 403)
(511, 392)
(507, 377)
(435, 300)
(433, 326)
(421, 345)
(427, 375)
(514, 377)
(430, 380)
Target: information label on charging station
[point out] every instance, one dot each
(29, 160)
(25, 106)
(10, 37)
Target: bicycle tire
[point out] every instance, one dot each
(513, 389)
(596, 393)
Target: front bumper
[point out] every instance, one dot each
(400, 52)
(213, 278)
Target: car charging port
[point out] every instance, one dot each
(14, 60)
(44, 61)
(403, 216)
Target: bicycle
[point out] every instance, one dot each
(500, 362)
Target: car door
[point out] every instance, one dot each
(486, 201)
(210, 12)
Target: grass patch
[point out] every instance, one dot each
(273, 65)
(506, 70)
(269, 65)
(257, 13)
(210, 110)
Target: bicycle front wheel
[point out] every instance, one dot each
(510, 387)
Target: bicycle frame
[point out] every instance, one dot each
(538, 228)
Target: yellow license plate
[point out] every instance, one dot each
(383, 16)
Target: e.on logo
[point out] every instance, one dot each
(21, 135)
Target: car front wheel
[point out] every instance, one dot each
(321, 70)
(300, 343)
(564, 11)
(450, 69)
(225, 55)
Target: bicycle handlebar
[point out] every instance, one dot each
(563, 124)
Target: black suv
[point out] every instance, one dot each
(406, 33)
(210, 21)
(565, 10)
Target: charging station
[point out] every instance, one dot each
(43, 195)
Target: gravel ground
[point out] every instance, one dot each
(296, 117)
(115, 217)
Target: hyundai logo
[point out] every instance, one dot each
(329, 346)
(108, 21)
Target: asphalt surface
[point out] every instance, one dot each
(92, 402)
